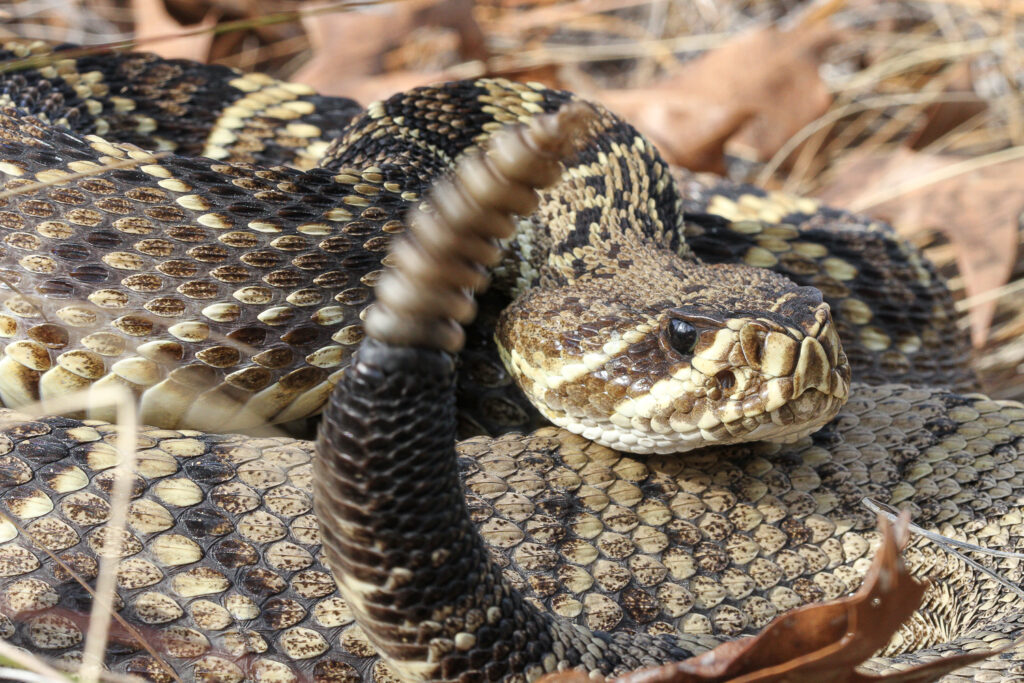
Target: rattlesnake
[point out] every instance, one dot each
(768, 527)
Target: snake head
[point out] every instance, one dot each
(725, 355)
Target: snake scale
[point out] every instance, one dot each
(227, 293)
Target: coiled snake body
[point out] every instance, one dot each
(162, 274)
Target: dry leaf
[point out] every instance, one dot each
(153, 24)
(687, 130)
(820, 643)
(942, 117)
(977, 210)
(757, 91)
(349, 47)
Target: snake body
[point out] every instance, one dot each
(226, 296)
(220, 564)
(221, 572)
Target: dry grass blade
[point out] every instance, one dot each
(573, 54)
(153, 21)
(941, 52)
(116, 525)
(31, 663)
(834, 115)
(952, 546)
(937, 176)
(270, 19)
(549, 15)
(120, 497)
(991, 295)
(29, 187)
(130, 632)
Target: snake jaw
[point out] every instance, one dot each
(776, 377)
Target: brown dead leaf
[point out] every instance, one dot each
(942, 117)
(350, 47)
(756, 91)
(687, 130)
(820, 643)
(977, 210)
(157, 31)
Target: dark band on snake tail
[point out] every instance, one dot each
(395, 528)
(407, 558)
(439, 266)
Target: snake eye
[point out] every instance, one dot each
(682, 336)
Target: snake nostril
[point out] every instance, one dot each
(757, 351)
(752, 344)
(726, 380)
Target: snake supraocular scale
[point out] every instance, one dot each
(220, 565)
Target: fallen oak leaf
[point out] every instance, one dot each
(757, 90)
(821, 643)
(349, 47)
(156, 29)
(839, 635)
(946, 115)
(691, 133)
(977, 210)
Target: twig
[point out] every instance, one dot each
(110, 166)
(833, 115)
(30, 662)
(36, 61)
(948, 544)
(945, 51)
(936, 176)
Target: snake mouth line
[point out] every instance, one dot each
(791, 422)
(791, 394)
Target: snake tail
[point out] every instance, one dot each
(396, 530)
(405, 554)
(453, 238)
